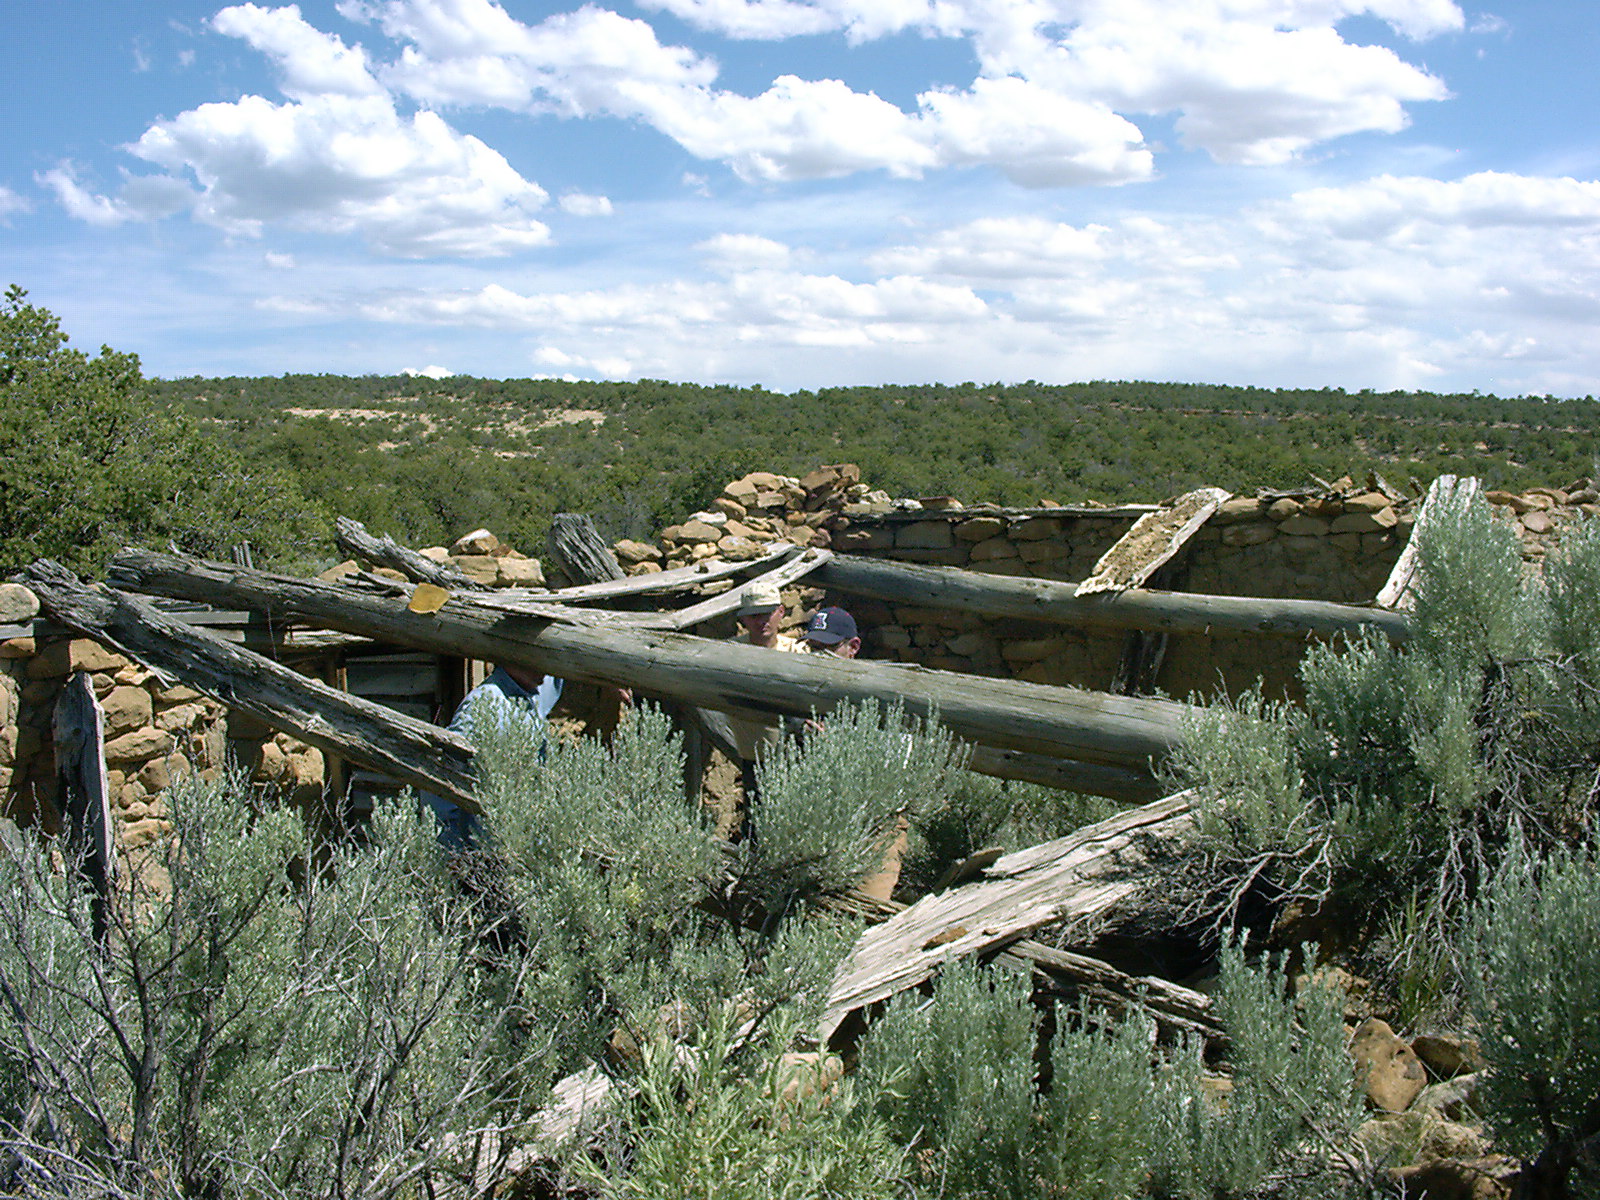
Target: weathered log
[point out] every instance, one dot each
(1058, 722)
(1065, 774)
(1082, 877)
(1398, 590)
(576, 551)
(1154, 539)
(674, 579)
(785, 573)
(957, 590)
(410, 750)
(354, 540)
(79, 728)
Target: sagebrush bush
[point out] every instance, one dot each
(959, 1075)
(830, 805)
(1533, 956)
(1410, 766)
(238, 1033)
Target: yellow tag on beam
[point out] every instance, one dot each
(427, 598)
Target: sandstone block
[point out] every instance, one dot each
(1537, 522)
(17, 603)
(339, 570)
(1377, 543)
(480, 568)
(1390, 1071)
(891, 637)
(741, 492)
(1367, 502)
(968, 644)
(1032, 649)
(630, 552)
(1035, 529)
(1366, 522)
(306, 768)
(1253, 534)
(980, 529)
(1300, 543)
(1283, 508)
(53, 661)
(863, 539)
(1046, 551)
(138, 834)
(1006, 566)
(155, 776)
(17, 647)
(995, 548)
(695, 532)
(519, 572)
(1301, 525)
(739, 549)
(1237, 509)
(1453, 1100)
(271, 764)
(728, 507)
(127, 708)
(835, 477)
(479, 541)
(1448, 1056)
(139, 745)
(180, 716)
(925, 535)
(178, 693)
(436, 554)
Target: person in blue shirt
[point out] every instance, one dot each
(510, 695)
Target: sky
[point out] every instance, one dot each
(1383, 194)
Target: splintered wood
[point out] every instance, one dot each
(1154, 538)
(1397, 591)
(1076, 878)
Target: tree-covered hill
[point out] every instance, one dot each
(427, 459)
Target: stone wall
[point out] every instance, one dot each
(155, 734)
(1337, 544)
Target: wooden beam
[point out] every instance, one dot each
(1152, 541)
(1083, 876)
(353, 538)
(727, 676)
(1396, 592)
(1045, 600)
(1065, 774)
(575, 550)
(674, 579)
(410, 750)
(803, 564)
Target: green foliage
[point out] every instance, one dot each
(1411, 766)
(1533, 972)
(959, 1074)
(718, 1120)
(94, 463)
(427, 468)
(240, 1034)
(829, 806)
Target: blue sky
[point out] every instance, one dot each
(802, 193)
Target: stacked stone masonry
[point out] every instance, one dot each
(1338, 544)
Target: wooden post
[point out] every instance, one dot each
(578, 553)
(79, 728)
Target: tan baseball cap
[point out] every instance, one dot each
(759, 597)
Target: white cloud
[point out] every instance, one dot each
(1388, 283)
(86, 206)
(349, 165)
(10, 204)
(429, 372)
(313, 63)
(278, 261)
(579, 204)
(1000, 248)
(744, 252)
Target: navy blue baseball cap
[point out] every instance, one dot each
(831, 626)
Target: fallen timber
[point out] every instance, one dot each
(953, 589)
(1057, 722)
(1076, 879)
(408, 749)
(352, 537)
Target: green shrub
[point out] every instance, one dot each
(830, 805)
(1119, 1117)
(1533, 974)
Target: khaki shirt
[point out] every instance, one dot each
(760, 734)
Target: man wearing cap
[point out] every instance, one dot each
(833, 631)
(760, 614)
